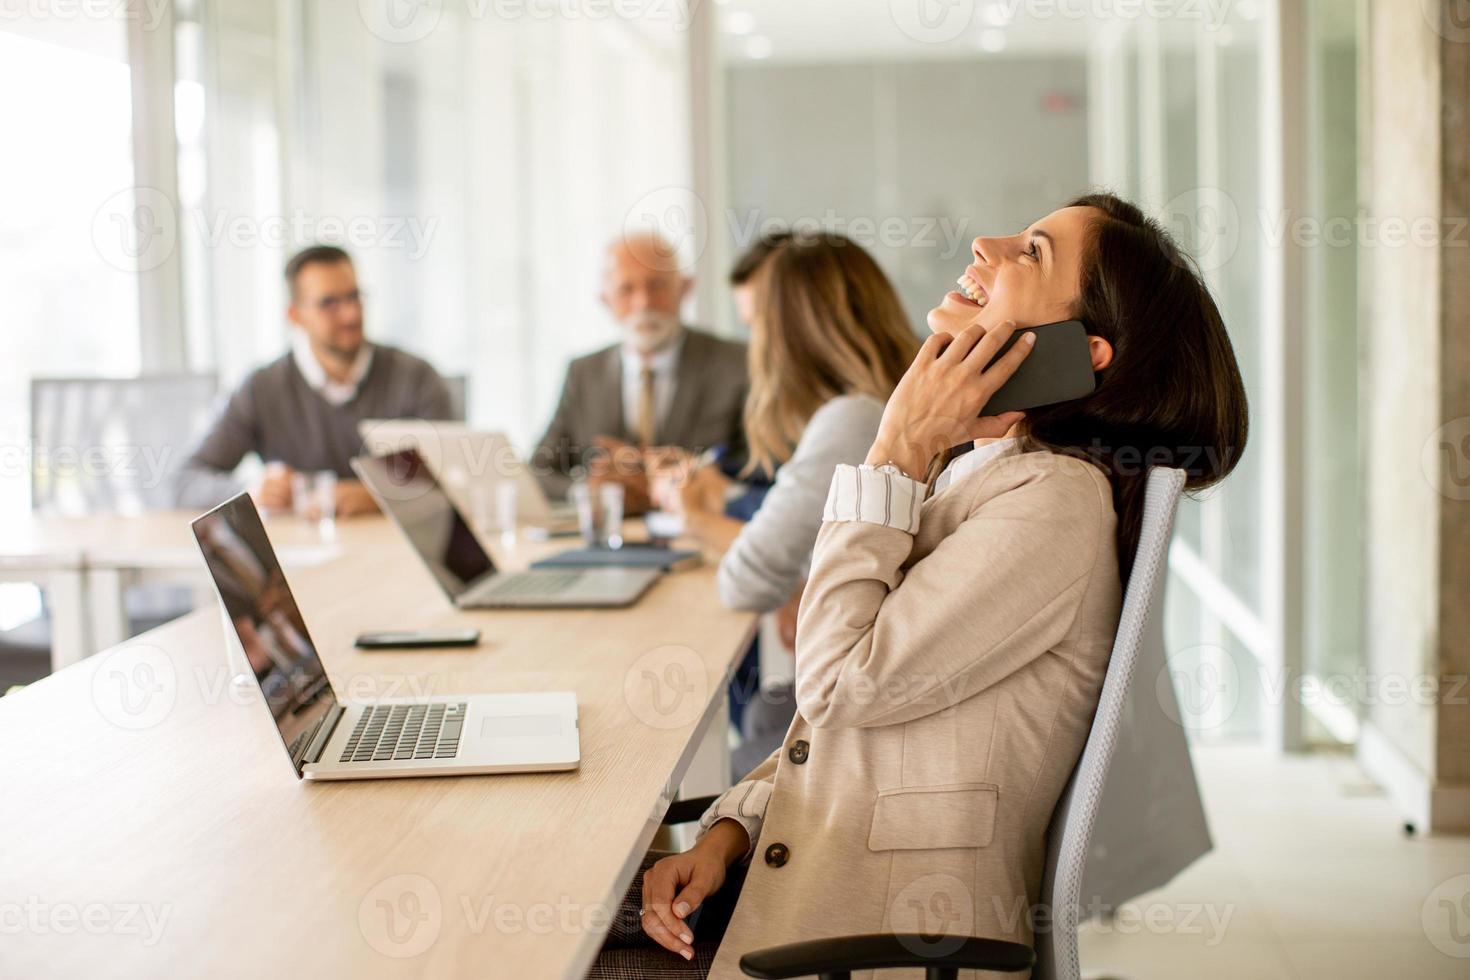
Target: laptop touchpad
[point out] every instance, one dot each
(520, 726)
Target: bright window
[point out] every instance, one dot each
(71, 227)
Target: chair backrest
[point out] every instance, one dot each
(112, 445)
(459, 393)
(1072, 823)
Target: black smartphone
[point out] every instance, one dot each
(418, 638)
(1058, 369)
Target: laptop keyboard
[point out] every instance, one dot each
(406, 731)
(539, 583)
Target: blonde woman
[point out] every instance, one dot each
(829, 341)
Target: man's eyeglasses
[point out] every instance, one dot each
(330, 304)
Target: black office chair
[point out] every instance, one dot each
(835, 959)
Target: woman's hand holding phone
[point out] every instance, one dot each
(939, 401)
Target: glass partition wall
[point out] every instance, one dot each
(1178, 103)
(1241, 136)
(1333, 658)
(474, 159)
(69, 215)
(1235, 126)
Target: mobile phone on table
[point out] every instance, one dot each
(406, 639)
(1058, 369)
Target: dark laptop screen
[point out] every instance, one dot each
(272, 633)
(408, 489)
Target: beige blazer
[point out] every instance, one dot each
(945, 681)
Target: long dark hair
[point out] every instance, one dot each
(1173, 394)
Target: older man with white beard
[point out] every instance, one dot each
(663, 384)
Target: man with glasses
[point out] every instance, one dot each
(300, 413)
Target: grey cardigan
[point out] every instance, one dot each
(279, 417)
(771, 556)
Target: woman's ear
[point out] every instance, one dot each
(1101, 351)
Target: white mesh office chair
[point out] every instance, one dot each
(112, 445)
(109, 446)
(1070, 835)
(1073, 821)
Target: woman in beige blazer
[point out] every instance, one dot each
(954, 634)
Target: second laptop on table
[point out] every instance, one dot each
(409, 493)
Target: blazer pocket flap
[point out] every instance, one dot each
(961, 815)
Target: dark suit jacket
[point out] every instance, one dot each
(709, 400)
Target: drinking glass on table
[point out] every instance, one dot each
(324, 502)
(483, 507)
(599, 513)
(493, 508)
(506, 500)
(301, 495)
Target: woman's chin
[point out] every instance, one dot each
(953, 314)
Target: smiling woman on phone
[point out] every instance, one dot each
(955, 632)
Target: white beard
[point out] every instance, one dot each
(649, 331)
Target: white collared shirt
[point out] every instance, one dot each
(665, 365)
(970, 462)
(864, 493)
(334, 392)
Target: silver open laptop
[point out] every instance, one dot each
(326, 738)
(408, 492)
(464, 458)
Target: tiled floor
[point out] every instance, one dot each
(1312, 877)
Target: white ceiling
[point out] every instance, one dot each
(842, 30)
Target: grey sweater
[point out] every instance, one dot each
(278, 416)
(771, 556)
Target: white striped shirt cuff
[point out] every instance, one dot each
(744, 803)
(862, 493)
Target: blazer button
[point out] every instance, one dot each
(777, 855)
(799, 752)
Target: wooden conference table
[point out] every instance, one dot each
(86, 564)
(153, 826)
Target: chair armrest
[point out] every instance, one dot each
(688, 811)
(841, 955)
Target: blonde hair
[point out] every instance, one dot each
(827, 322)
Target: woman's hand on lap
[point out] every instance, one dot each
(677, 885)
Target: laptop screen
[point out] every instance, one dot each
(409, 491)
(259, 603)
